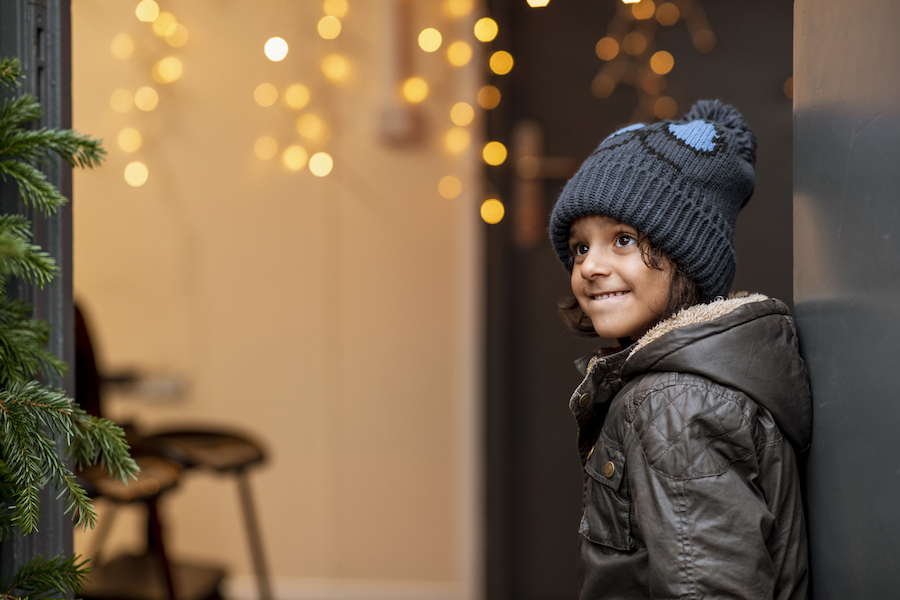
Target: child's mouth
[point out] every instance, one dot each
(607, 296)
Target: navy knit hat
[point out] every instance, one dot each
(680, 183)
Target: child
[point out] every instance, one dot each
(688, 433)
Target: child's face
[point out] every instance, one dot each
(620, 294)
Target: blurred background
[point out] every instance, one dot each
(321, 225)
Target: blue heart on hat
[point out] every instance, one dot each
(699, 135)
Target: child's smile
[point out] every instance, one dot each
(615, 288)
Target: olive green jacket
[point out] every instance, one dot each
(688, 440)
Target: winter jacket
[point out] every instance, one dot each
(688, 441)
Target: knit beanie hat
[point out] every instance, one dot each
(680, 183)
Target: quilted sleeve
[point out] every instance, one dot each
(693, 474)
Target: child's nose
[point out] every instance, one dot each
(595, 264)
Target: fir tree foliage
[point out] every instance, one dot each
(36, 418)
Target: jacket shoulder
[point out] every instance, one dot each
(689, 426)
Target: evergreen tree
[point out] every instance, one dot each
(35, 418)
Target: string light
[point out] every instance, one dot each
(294, 157)
(311, 128)
(668, 13)
(335, 8)
(329, 27)
(136, 174)
(147, 11)
(662, 62)
(122, 46)
(296, 96)
(486, 29)
(336, 67)
(492, 211)
(643, 10)
(129, 140)
(634, 43)
(488, 97)
(121, 101)
(167, 70)
(276, 49)
(704, 40)
(146, 98)
(462, 114)
(178, 37)
(415, 89)
(458, 8)
(494, 153)
(165, 24)
(665, 107)
(538, 3)
(607, 48)
(459, 54)
(501, 62)
(457, 140)
(449, 187)
(265, 147)
(430, 39)
(321, 164)
(265, 94)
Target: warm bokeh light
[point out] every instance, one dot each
(335, 8)
(430, 39)
(311, 128)
(129, 139)
(462, 114)
(788, 87)
(121, 46)
(167, 70)
(458, 8)
(607, 48)
(320, 164)
(603, 86)
(668, 13)
(486, 29)
(630, 1)
(457, 140)
(538, 3)
(136, 174)
(492, 211)
(643, 10)
(662, 62)
(147, 11)
(449, 187)
(653, 84)
(336, 67)
(501, 62)
(488, 97)
(265, 147)
(665, 107)
(179, 36)
(146, 98)
(634, 43)
(165, 24)
(415, 89)
(265, 94)
(704, 40)
(121, 101)
(329, 27)
(296, 96)
(276, 49)
(494, 153)
(294, 157)
(459, 54)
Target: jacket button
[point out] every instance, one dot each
(584, 400)
(590, 452)
(609, 469)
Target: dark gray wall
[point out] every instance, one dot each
(847, 287)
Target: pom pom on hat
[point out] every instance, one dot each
(680, 183)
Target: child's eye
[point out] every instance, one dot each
(625, 239)
(579, 249)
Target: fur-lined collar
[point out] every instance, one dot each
(699, 313)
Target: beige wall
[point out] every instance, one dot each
(334, 318)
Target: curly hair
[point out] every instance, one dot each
(683, 291)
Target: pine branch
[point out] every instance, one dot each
(98, 440)
(33, 186)
(10, 71)
(35, 146)
(46, 578)
(23, 344)
(17, 111)
(20, 258)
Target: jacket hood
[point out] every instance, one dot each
(746, 342)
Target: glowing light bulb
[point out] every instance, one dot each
(538, 3)
(329, 27)
(136, 174)
(276, 49)
(165, 24)
(449, 187)
(603, 86)
(486, 29)
(459, 54)
(458, 8)
(643, 10)
(320, 164)
(634, 43)
(335, 8)
(129, 140)
(462, 114)
(492, 211)
(265, 147)
(121, 101)
(662, 62)
(122, 46)
(167, 70)
(430, 39)
(146, 98)
(501, 62)
(147, 11)
(457, 140)
(668, 13)
(607, 48)
(311, 127)
(336, 68)
(294, 157)
(179, 36)
(488, 97)
(494, 153)
(415, 89)
(630, 1)
(265, 94)
(665, 107)
(296, 96)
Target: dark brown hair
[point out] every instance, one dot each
(683, 291)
